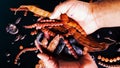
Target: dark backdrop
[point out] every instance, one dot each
(8, 50)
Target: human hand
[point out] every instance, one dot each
(80, 12)
(46, 61)
(85, 62)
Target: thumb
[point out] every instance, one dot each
(55, 15)
(43, 57)
(48, 61)
(61, 9)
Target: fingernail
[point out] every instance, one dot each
(43, 56)
(38, 55)
(52, 16)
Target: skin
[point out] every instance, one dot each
(73, 9)
(91, 17)
(106, 13)
(85, 62)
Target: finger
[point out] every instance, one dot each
(46, 58)
(55, 14)
(61, 9)
(49, 62)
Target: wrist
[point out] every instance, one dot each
(106, 13)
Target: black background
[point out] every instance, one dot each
(29, 59)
